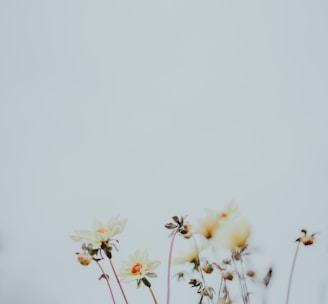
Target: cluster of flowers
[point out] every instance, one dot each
(217, 232)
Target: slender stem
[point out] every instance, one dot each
(244, 280)
(153, 295)
(107, 280)
(118, 280)
(220, 287)
(198, 260)
(291, 273)
(169, 267)
(242, 290)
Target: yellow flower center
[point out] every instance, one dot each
(136, 269)
(101, 230)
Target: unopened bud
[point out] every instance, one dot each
(207, 267)
(84, 259)
(227, 276)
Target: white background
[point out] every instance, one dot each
(150, 109)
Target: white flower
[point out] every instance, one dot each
(137, 267)
(209, 224)
(229, 212)
(234, 234)
(213, 221)
(188, 256)
(101, 233)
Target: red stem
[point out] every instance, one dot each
(118, 281)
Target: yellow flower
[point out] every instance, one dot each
(101, 233)
(137, 267)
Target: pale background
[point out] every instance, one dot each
(150, 109)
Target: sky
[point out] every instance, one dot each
(149, 109)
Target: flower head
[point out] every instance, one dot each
(214, 220)
(229, 212)
(209, 224)
(138, 267)
(191, 256)
(234, 234)
(101, 233)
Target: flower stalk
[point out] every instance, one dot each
(106, 277)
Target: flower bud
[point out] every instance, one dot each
(306, 239)
(227, 276)
(84, 259)
(207, 267)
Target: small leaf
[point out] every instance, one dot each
(176, 219)
(171, 226)
(104, 276)
(151, 274)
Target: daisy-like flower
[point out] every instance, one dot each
(101, 233)
(138, 267)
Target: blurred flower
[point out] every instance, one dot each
(188, 256)
(234, 234)
(214, 220)
(84, 258)
(209, 224)
(137, 267)
(306, 239)
(101, 233)
(229, 212)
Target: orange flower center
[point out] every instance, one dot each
(224, 215)
(101, 230)
(136, 268)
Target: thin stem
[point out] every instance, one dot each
(242, 289)
(118, 281)
(220, 287)
(107, 280)
(169, 267)
(244, 280)
(291, 273)
(153, 295)
(199, 266)
(198, 260)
